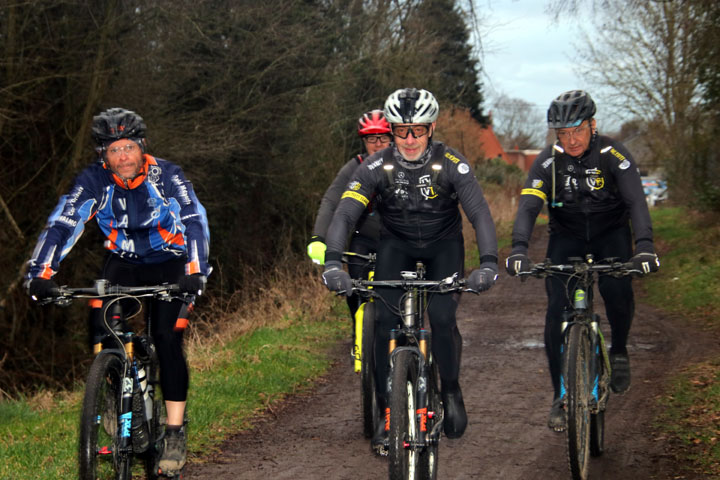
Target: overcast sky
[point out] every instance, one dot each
(529, 56)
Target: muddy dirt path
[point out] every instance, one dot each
(507, 395)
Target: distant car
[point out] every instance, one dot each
(655, 190)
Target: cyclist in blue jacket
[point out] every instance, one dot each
(593, 191)
(156, 231)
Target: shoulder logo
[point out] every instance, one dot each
(463, 168)
(354, 185)
(375, 164)
(452, 157)
(547, 162)
(537, 183)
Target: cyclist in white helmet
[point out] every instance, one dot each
(419, 184)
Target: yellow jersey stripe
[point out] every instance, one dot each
(356, 196)
(533, 191)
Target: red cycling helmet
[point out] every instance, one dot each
(373, 123)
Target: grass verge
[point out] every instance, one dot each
(246, 376)
(687, 285)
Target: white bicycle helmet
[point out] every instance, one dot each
(410, 105)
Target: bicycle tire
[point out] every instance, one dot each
(368, 398)
(597, 433)
(579, 392)
(155, 425)
(428, 462)
(99, 432)
(402, 460)
(597, 420)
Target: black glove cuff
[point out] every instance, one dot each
(333, 257)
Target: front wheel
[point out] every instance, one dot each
(579, 395)
(368, 400)
(99, 456)
(403, 436)
(428, 463)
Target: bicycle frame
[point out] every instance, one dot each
(120, 343)
(585, 375)
(412, 341)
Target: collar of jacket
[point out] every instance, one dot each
(139, 178)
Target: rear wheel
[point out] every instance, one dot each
(403, 436)
(579, 394)
(99, 456)
(368, 400)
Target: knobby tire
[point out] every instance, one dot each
(403, 427)
(597, 420)
(428, 463)
(99, 432)
(579, 393)
(368, 401)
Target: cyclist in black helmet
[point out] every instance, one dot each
(156, 232)
(419, 184)
(592, 188)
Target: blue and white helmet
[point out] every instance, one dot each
(410, 105)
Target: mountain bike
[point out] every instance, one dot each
(416, 409)
(363, 348)
(121, 419)
(585, 378)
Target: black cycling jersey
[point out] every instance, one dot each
(417, 202)
(597, 192)
(368, 225)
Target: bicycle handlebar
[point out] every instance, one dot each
(446, 285)
(103, 289)
(347, 256)
(614, 268)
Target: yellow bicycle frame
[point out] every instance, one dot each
(359, 316)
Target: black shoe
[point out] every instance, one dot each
(379, 443)
(174, 452)
(455, 420)
(557, 421)
(620, 376)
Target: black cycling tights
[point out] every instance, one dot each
(174, 378)
(617, 293)
(442, 259)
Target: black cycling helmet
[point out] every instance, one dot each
(570, 109)
(116, 123)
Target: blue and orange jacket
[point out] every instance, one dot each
(151, 219)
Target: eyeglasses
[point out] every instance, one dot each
(129, 148)
(566, 135)
(377, 138)
(417, 131)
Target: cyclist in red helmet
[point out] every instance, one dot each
(375, 133)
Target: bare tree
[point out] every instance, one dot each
(517, 123)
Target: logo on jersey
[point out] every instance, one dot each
(354, 185)
(594, 179)
(426, 189)
(463, 168)
(537, 183)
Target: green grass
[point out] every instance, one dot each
(688, 285)
(253, 372)
(688, 282)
